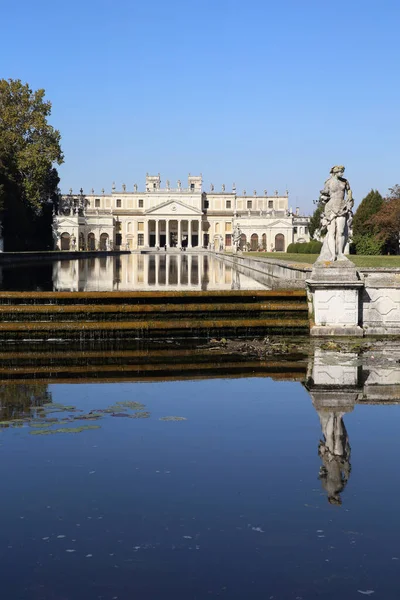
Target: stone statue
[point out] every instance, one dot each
(223, 187)
(135, 187)
(255, 192)
(113, 186)
(236, 237)
(212, 187)
(244, 192)
(234, 188)
(337, 216)
(334, 452)
(167, 184)
(265, 193)
(92, 191)
(123, 187)
(102, 191)
(179, 184)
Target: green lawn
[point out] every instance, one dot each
(359, 261)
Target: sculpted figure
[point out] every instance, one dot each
(211, 188)
(124, 187)
(337, 216)
(334, 452)
(236, 237)
(135, 187)
(223, 187)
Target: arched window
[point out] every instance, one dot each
(264, 241)
(128, 227)
(91, 242)
(243, 241)
(216, 227)
(65, 241)
(103, 241)
(279, 242)
(254, 242)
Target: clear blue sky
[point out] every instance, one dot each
(265, 94)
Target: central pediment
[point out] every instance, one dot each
(173, 208)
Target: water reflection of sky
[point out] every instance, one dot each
(228, 502)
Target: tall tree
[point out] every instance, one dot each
(364, 230)
(29, 148)
(314, 225)
(386, 223)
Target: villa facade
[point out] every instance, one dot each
(176, 217)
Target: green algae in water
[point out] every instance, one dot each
(131, 404)
(63, 430)
(140, 415)
(39, 425)
(173, 419)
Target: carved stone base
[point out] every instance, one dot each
(335, 291)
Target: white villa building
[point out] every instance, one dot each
(176, 217)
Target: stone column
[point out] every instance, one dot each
(146, 233)
(167, 232)
(190, 269)
(157, 233)
(167, 265)
(157, 264)
(179, 234)
(200, 236)
(189, 233)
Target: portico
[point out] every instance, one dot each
(173, 224)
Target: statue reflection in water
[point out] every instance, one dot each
(334, 451)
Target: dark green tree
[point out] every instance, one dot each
(29, 149)
(315, 221)
(364, 230)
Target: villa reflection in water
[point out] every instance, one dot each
(144, 272)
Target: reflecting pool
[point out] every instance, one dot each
(280, 483)
(129, 272)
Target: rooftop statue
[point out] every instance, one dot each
(337, 217)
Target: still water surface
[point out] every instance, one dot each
(128, 272)
(235, 499)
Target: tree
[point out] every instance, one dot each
(29, 147)
(315, 221)
(364, 238)
(386, 223)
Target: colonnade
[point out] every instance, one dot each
(173, 232)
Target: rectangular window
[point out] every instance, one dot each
(270, 204)
(140, 239)
(206, 204)
(294, 229)
(118, 203)
(228, 239)
(97, 203)
(192, 187)
(140, 226)
(228, 226)
(141, 203)
(305, 229)
(249, 204)
(228, 204)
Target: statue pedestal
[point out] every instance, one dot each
(335, 290)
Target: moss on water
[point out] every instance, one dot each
(131, 404)
(140, 415)
(173, 419)
(64, 430)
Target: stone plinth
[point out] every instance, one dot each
(335, 291)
